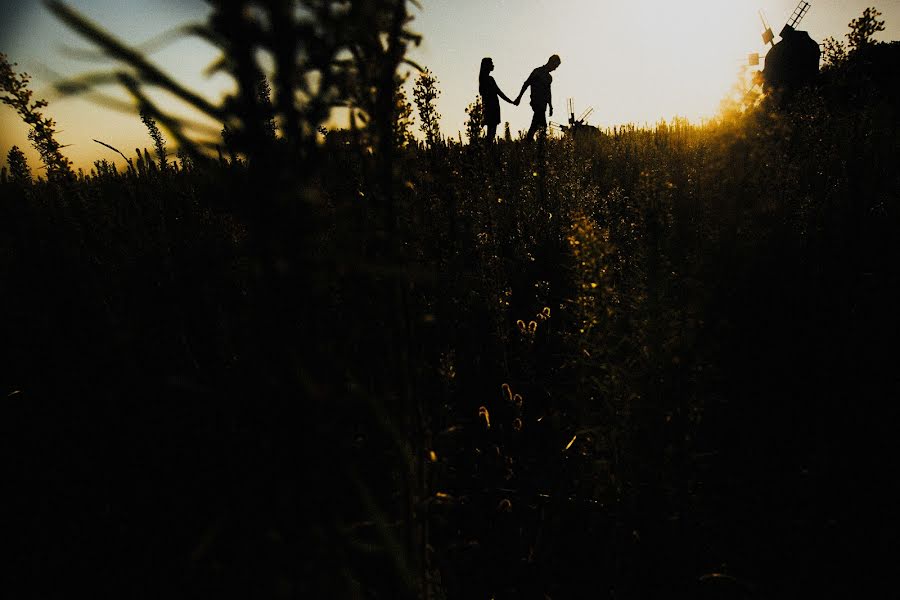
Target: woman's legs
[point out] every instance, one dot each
(491, 132)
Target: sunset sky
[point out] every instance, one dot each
(631, 60)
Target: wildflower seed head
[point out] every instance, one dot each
(484, 414)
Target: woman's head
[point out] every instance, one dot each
(487, 65)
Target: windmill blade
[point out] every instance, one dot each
(587, 113)
(798, 15)
(767, 36)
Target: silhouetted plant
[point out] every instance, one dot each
(264, 91)
(863, 28)
(19, 172)
(156, 135)
(230, 142)
(425, 94)
(184, 158)
(140, 163)
(403, 111)
(43, 129)
(474, 120)
(834, 53)
(325, 55)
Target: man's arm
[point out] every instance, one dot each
(550, 100)
(524, 87)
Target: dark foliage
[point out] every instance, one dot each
(652, 363)
(19, 172)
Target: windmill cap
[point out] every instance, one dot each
(786, 31)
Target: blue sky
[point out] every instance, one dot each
(632, 60)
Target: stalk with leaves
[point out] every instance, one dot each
(15, 91)
(159, 142)
(425, 94)
(403, 136)
(474, 120)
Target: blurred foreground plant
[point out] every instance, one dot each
(325, 55)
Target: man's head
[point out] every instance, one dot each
(553, 62)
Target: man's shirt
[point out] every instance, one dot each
(540, 80)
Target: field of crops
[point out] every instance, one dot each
(652, 362)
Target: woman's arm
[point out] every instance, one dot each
(502, 95)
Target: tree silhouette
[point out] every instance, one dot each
(863, 28)
(835, 53)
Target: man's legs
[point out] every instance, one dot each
(538, 121)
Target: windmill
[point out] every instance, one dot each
(580, 121)
(579, 126)
(793, 61)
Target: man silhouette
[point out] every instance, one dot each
(540, 80)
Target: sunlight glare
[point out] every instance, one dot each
(672, 59)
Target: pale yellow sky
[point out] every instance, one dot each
(631, 60)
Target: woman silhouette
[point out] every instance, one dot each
(489, 91)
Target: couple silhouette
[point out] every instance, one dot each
(541, 98)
